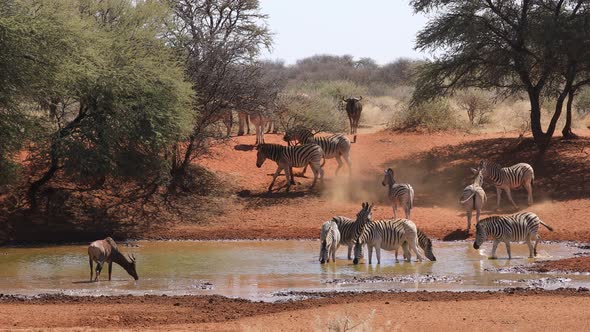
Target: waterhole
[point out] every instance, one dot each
(271, 270)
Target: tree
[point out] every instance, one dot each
(116, 98)
(219, 41)
(515, 46)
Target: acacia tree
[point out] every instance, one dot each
(114, 101)
(219, 41)
(515, 46)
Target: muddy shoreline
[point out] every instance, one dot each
(143, 311)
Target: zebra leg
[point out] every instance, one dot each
(498, 196)
(494, 247)
(394, 210)
(508, 249)
(529, 190)
(370, 253)
(274, 177)
(408, 209)
(340, 163)
(378, 254)
(349, 163)
(510, 198)
(414, 248)
(537, 239)
(530, 244)
(406, 250)
(315, 169)
(289, 177)
(349, 251)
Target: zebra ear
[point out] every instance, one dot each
(474, 170)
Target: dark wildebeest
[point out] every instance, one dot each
(106, 250)
(353, 110)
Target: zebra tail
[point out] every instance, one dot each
(544, 224)
(468, 198)
(324, 160)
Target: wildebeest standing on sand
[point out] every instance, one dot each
(106, 250)
(353, 110)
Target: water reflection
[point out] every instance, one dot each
(257, 269)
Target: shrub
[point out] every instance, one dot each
(477, 104)
(437, 115)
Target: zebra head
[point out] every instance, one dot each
(323, 252)
(358, 252)
(388, 179)
(428, 250)
(365, 214)
(260, 155)
(480, 235)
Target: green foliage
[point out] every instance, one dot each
(437, 115)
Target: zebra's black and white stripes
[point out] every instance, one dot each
(507, 178)
(291, 156)
(330, 240)
(474, 197)
(350, 229)
(334, 146)
(522, 226)
(398, 193)
(389, 235)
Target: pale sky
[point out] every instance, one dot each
(381, 29)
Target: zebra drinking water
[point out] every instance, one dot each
(334, 146)
(351, 229)
(389, 235)
(291, 156)
(522, 226)
(398, 193)
(330, 240)
(474, 197)
(513, 177)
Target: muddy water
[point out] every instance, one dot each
(265, 270)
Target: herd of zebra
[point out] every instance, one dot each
(390, 234)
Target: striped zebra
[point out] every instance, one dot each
(474, 197)
(350, 229)
(330, 240)
(513, 177)
(398, 193)
(522, 226)
(334, 146)
(291, 156)
(389, 234)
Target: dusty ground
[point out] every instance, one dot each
(437, 167)
(520, 310)
(435, 164)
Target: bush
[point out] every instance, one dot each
(432, 116)
(582, 102)
(477, 104)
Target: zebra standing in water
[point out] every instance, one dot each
(513, 177)
(398, 193)
(351, 229)
(334, 146)
(330, 240)
(389, 235)
(474, 197)
(522, 226)
(291, 156)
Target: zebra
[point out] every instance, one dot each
(291, 156)
(522, 226)
(334, 146)
(389, 234)
(350, 229)
(513, 177)
(398, 193)
(330, 241)
(474, 197)
(353, 110)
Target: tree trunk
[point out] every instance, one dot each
(567, 128)
(536, 127)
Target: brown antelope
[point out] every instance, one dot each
(106, 250)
